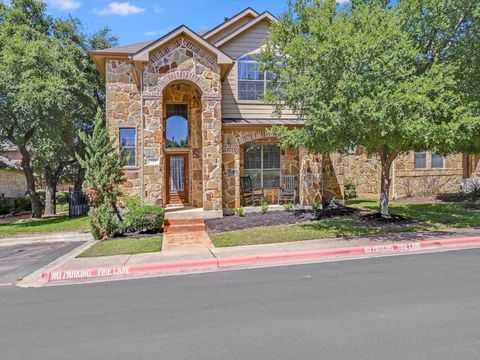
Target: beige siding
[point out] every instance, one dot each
(247, 42)
(229, 29)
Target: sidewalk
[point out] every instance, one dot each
(39, 238)
(78, 270)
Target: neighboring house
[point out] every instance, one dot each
(12, 178)
(186, 110)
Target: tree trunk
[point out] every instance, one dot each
(32, 193)
(386, 160)
(50, 194)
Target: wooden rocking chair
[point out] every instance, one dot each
(255, 196)
(288, 189)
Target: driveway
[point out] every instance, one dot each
(17, 261)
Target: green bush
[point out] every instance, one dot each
(104, 222)
(5, 207)
(288, 206)
(350, 189)
(61, 197)
(22, 204)
(144, 219)
(264, 207)
(240, 211)
(131, 202)
(315, 204)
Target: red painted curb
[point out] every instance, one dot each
(235, 261)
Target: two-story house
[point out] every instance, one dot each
(187, 110)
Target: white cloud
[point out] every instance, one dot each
(65, 4)
(157, 9)
(120, 8)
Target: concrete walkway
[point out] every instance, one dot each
(41, 238)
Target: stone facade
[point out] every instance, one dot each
(407, 181)
(179, 71)
(12, 183)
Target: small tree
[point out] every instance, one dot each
(103, 166)
(377, 74)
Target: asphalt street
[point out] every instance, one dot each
(403, 307)
(19, 260)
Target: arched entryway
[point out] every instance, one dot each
(182, 123)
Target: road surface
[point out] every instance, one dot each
(403, 307)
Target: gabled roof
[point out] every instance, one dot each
(263, 16)
(143, 54)
(246, 12)
(123, 50)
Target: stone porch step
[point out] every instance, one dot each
(185, 233)
(192, 221)
(180, 229)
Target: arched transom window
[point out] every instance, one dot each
(177, 126)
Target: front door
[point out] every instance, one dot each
(177, 178)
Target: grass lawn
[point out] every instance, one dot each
(52, 224)
(330, 228)
(441, 214)
(429, 216)
(124, 246)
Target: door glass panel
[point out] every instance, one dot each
(177, 174)
(177, 126)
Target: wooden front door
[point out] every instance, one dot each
(177, 178)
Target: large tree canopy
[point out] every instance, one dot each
(48, 88)
(377, 75)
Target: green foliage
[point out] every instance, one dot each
(5, 207)
(382, 75)
(22, 204)
(240, 211)
(264, 207)
(144, 219)
(62, 197)
(350, 189)
(315, 204)
(104, 174)
(288, 206)
(131, 202)
(103, 222)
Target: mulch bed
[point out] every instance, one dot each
(377, 220)
(272, 218)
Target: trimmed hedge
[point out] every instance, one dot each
(143, 219)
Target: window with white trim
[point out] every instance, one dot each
(436, 160)
(127, 142)
(420, 159)
(252, 81)
(262, 164)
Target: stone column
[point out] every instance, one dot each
(153, 173)
(310, 177)
(212, 153)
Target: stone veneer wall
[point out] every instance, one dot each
(364, 171)
(123, 109)
(179, 61)
(12, 183)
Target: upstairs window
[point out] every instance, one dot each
(127, 137)
(252, 81)
(420, 160)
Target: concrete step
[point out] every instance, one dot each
(193, 221)
(179, 229)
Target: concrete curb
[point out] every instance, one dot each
(125, 271)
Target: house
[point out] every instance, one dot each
(186, 110)
(12, 178)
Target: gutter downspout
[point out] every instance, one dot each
(142, 155)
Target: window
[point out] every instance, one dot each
(252, 82)
(128, 145)
(176, 126)
(437, 161)
(420, 160)
(262, 164)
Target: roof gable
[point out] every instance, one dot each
(248, 12)
(264, 16)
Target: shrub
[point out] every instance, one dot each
(350, 189)
(104, 222)
(264, 207)
(288, 206)
(144, 219)
(240, 211)
(61, 197)
(315, 204)
(131, 202)
(22, 204)
(5, 207)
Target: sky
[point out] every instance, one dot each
(143, 20)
